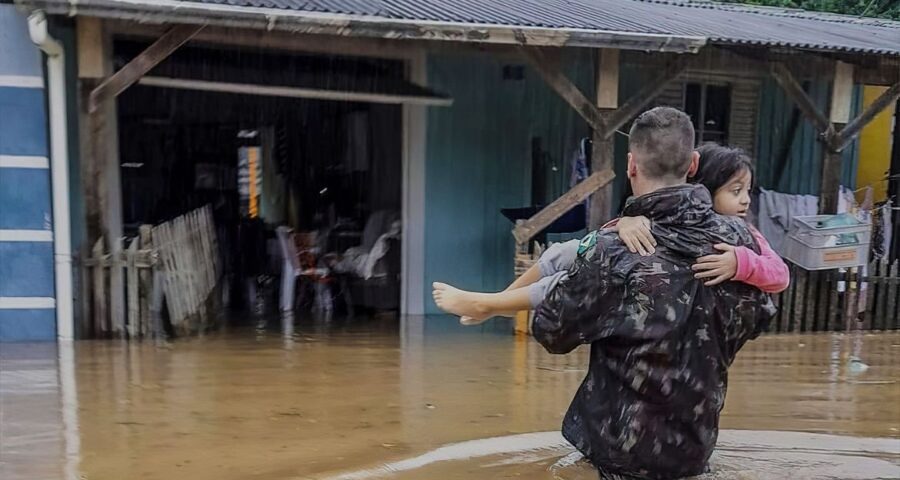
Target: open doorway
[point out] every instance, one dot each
(308, 143)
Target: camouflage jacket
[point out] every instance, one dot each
(661, 342)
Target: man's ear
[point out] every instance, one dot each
(632, 166)
(695, 164)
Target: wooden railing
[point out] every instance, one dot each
(834, 300)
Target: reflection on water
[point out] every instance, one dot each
(318, 400)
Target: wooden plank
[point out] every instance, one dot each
(145, 283)
(832, 319)
(831, 181)
(870, 297)
(795, 92)
(285, 91)
(880, 297)
(141, 64)
(208, 255)
(608, 79)
(117, 289)
(841, 93)
(852, 129)
(131, 273)
(166, 277)
(101, 324)
(549, 68)
(893, 289)
(541, 220)
(798, 318)
(643, 97)
(89, 31)
(87, 323)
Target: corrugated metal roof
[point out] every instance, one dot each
(724, 24)
(721, 23)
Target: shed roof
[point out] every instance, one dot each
(665, 25)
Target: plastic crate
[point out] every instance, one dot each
(814, 246)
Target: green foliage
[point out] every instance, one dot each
(868, 8)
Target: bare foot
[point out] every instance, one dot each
(459, 302)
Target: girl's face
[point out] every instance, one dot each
(733, 198)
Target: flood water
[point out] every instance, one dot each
(411, 398)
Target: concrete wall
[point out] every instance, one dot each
(26, 241)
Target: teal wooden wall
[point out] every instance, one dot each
(478, 160)
(803, 172)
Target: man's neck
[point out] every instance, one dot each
(644, 187)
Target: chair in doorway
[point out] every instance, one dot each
(302, 264)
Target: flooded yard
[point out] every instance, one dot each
(411, 398)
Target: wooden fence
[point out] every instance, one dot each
(832, 300)
(173, 264)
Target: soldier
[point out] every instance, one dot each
(661, 341)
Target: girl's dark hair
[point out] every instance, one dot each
(719, 164)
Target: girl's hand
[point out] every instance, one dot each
(635, 234)
(719, 268)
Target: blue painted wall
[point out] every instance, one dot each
(26, 260)
(478, 160)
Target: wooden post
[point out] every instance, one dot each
(603, 149)
(832, 165)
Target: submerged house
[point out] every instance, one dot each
(434, 114)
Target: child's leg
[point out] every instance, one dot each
(558, 258)
(476, 307)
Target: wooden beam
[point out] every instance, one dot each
(849, 132)
(639, 101)
(608, 79)
(294, 92)
(841, 93)
(550, 69)
(90, 47)
(541, 220)
(143, 63)
(795, 92)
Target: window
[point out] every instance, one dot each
(710, 108)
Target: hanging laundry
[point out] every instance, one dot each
(580, 172)
(881, 230)
(777, 211)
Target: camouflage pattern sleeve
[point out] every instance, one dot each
(581, 306)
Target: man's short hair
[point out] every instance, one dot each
(662, 140)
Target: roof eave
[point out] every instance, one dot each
(301, 22)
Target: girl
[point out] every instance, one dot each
(726, 172)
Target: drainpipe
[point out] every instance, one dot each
(59, 171)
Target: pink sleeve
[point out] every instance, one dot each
(766, 271)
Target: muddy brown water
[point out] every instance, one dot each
(411, 398)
